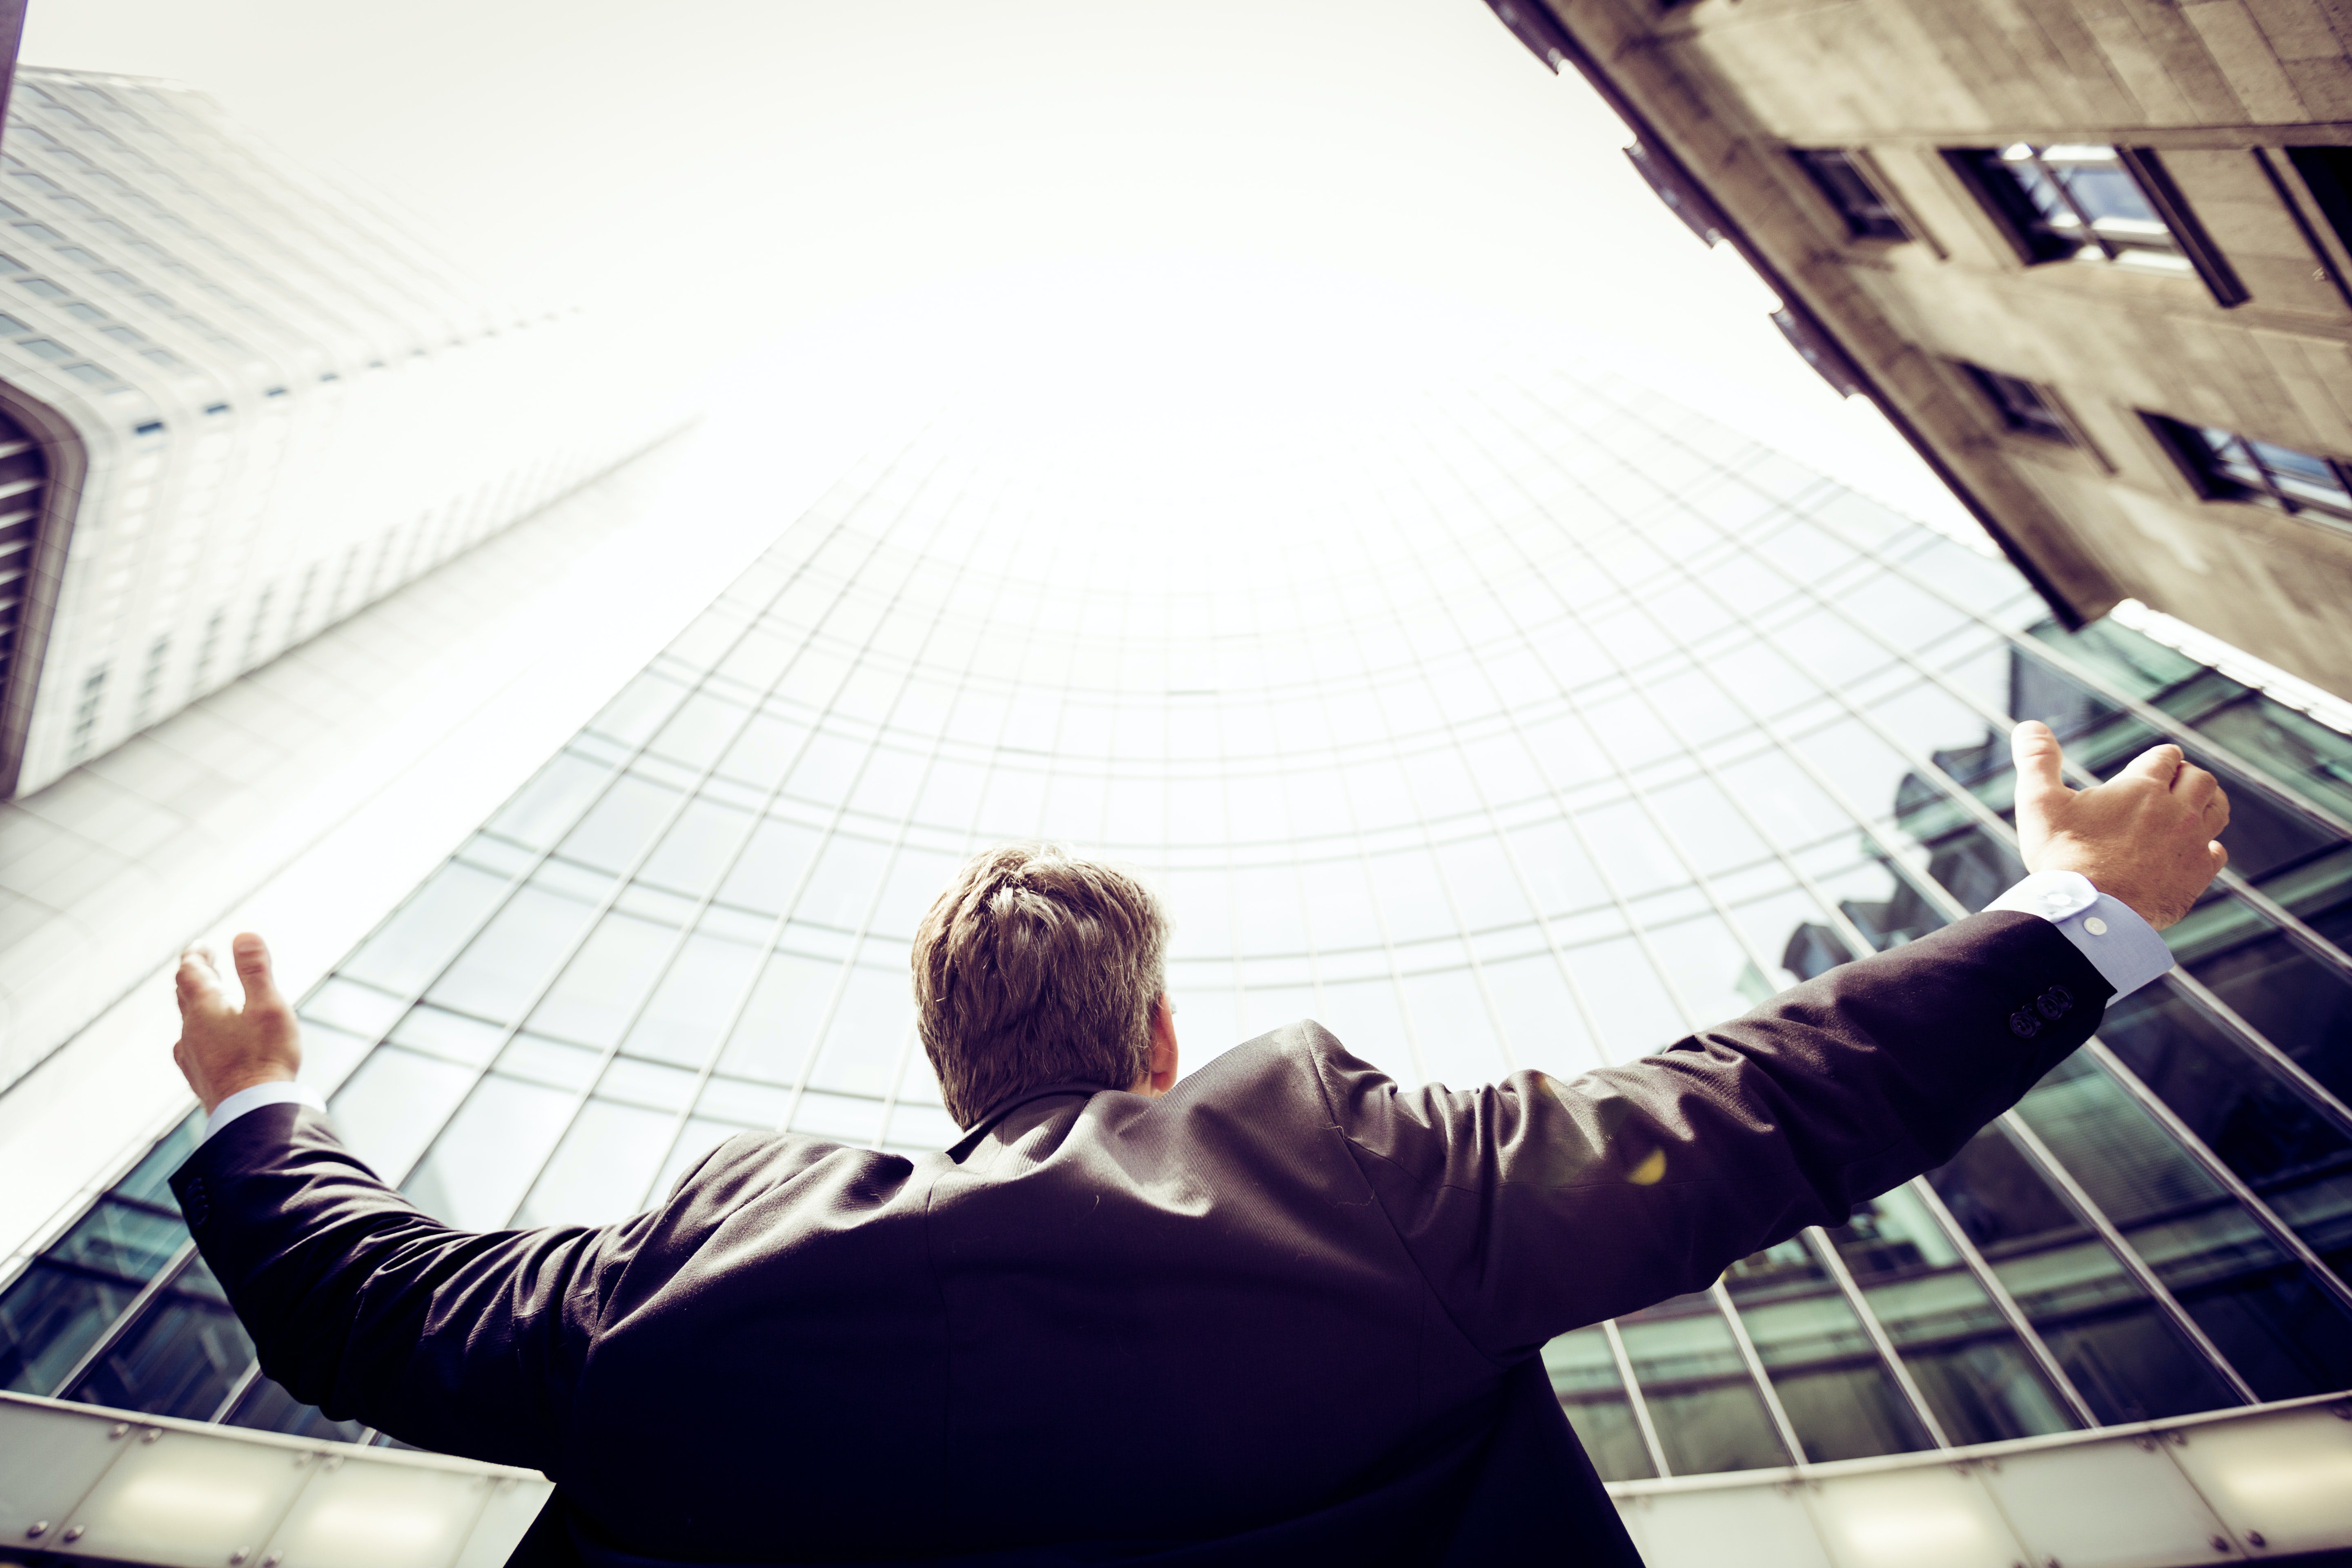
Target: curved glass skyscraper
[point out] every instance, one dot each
(1536, 730)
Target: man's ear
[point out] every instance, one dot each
(1163, 1073)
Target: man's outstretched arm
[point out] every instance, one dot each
(357, 1301)
(1534, 1205)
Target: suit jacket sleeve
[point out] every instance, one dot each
(1534, 1205)
(364, 1306)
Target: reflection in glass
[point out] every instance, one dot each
(1980, 1381)
(180, 1357)
(1707, 1410)
(2114, 1342)
(1837, 1392)
(1584, 1375)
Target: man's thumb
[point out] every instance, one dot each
(2040, 783)
(252, 956)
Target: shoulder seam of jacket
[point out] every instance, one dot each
(1315, 1066)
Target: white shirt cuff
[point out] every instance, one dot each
(259, 1095)
(2124, 948)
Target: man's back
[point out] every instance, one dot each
(896, 1352)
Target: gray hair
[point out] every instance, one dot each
(1037, 967)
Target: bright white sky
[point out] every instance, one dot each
(847, 193)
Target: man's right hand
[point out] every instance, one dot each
(223, 1047)
(2145, 837)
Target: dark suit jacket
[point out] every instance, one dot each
(1289, 1313)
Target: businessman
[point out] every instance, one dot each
(1282, 1311)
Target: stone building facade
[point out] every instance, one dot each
(2090, 255)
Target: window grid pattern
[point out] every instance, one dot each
(1536, 740)
(2079, 202)
(2225, 464)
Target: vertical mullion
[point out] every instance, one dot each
(1635, 1398)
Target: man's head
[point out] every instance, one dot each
(1037, 967)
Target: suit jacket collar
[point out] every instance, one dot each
(962, 1149)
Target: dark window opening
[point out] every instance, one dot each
(2226, 465)
(1849, 190)
(2327, 171)
(2021, 405)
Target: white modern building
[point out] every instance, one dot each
(1533, 725)
(236, 404)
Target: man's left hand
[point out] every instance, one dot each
(224, 1048)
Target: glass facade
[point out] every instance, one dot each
(1543, 728)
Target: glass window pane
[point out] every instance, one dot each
(1706, 1408)
(54, 1311)
(1584, 1377)
(410, 948)
(501, 971)
(1449, 1015)
(620, 826)
(604, 1168)
(181, 1358)
(478, 1171)
(686, 1020)
(874, 1020)
(543, 810)
(699, 848)
(389, 1110)
(600, 990)
(1831, 1382)
(2116, 1347)
(267, 1407)
(773, 1039)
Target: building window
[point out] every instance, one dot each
(2226, 465)
(1842, 178)
(2327, 171)
(2080, 201)
(2021, 405)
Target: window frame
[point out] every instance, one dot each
(1896, 229)
(1987, 172)
(1992, 386)
(2193, 452)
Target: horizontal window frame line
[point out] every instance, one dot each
(2264, 1216)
